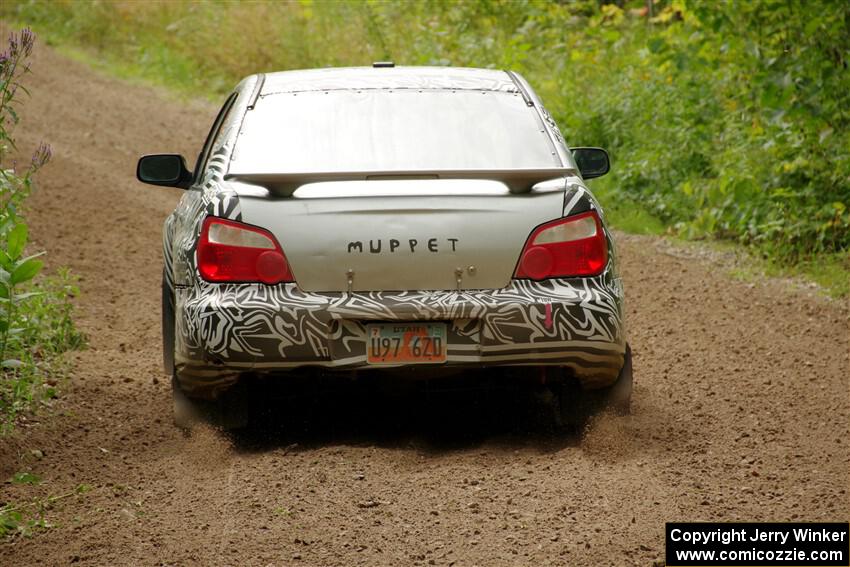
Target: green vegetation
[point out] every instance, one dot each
(624, 213)
(25, 477)
(35, 314)
(724, 120)
(829, 271)
(25, 518)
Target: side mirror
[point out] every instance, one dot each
(592, 162)
(168, 170)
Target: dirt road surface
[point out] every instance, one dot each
(741, 408)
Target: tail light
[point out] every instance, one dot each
(572, 246)
(230, 251)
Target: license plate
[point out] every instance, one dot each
(406, 343)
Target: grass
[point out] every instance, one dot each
(184, 87)
(625, 215)
(46, 331)
(828, 275)
(831, 273)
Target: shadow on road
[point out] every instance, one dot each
(442, 415)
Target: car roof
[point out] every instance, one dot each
(344, 78)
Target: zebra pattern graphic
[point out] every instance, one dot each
(573, 323)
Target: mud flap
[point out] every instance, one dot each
(228, 412)
(579, 405)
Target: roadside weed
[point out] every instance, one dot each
(35, 312)
(25, 478)
(28, 517)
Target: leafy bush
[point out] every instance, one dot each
(734, 121)
(35, 317)
(726, 119)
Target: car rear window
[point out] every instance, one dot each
(391, 130)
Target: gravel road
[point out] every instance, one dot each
(741, 407)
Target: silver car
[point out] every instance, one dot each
(408, 220)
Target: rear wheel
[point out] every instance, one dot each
(167, 325)
(187, 412)
(229, 411)
(579, 405)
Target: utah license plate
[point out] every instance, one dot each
(406, 343)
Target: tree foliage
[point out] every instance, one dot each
(725, 119)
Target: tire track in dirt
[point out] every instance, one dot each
(741, 406)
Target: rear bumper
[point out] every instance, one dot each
(225, 329)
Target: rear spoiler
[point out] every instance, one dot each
(517, 180)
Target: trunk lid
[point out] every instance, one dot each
(405, 234)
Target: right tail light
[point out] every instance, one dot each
(571, 246)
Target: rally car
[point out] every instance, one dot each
(389, 219)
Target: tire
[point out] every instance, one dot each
(168, 332)
(579, 405)
(187, 412)
(186, 415)
(228, 412)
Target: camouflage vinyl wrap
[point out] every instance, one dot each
(223, 330)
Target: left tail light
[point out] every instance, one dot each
(230, 251)
(571, 246)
